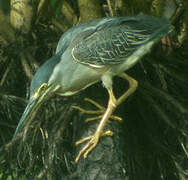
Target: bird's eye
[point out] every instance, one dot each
(43, 86)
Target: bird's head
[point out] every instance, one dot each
(40, 90)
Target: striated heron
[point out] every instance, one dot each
(95, 51)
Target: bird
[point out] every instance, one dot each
(90, 52)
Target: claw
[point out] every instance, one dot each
(113, 117)
(93, 141)
(87, 111)
(99, 112)
(94, 103)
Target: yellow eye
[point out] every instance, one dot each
(43, 87)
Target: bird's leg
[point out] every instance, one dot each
(93, 140)
(100, 108)
(112, 104)
(133, 84)
(99, 112)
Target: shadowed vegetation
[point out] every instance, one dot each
(151, 142)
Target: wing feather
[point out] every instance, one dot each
(113, 41)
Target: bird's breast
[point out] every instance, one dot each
(73, 76)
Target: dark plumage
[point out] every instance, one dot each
(95, 51)
(117, 38)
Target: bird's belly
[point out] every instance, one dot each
(72, 92)
(78, 77)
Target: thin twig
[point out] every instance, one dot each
(110, 8)
(6, 73)
(26, 67)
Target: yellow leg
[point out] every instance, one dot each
(93, 140)
(99, 112)
(101, 108)
(112, 104)
(133, 84)
(106, 133)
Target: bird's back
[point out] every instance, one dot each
(113, 40)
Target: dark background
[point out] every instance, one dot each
(152, 141)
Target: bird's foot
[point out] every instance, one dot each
(93, 141)
(98, 112)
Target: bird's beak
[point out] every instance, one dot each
(32, 107)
